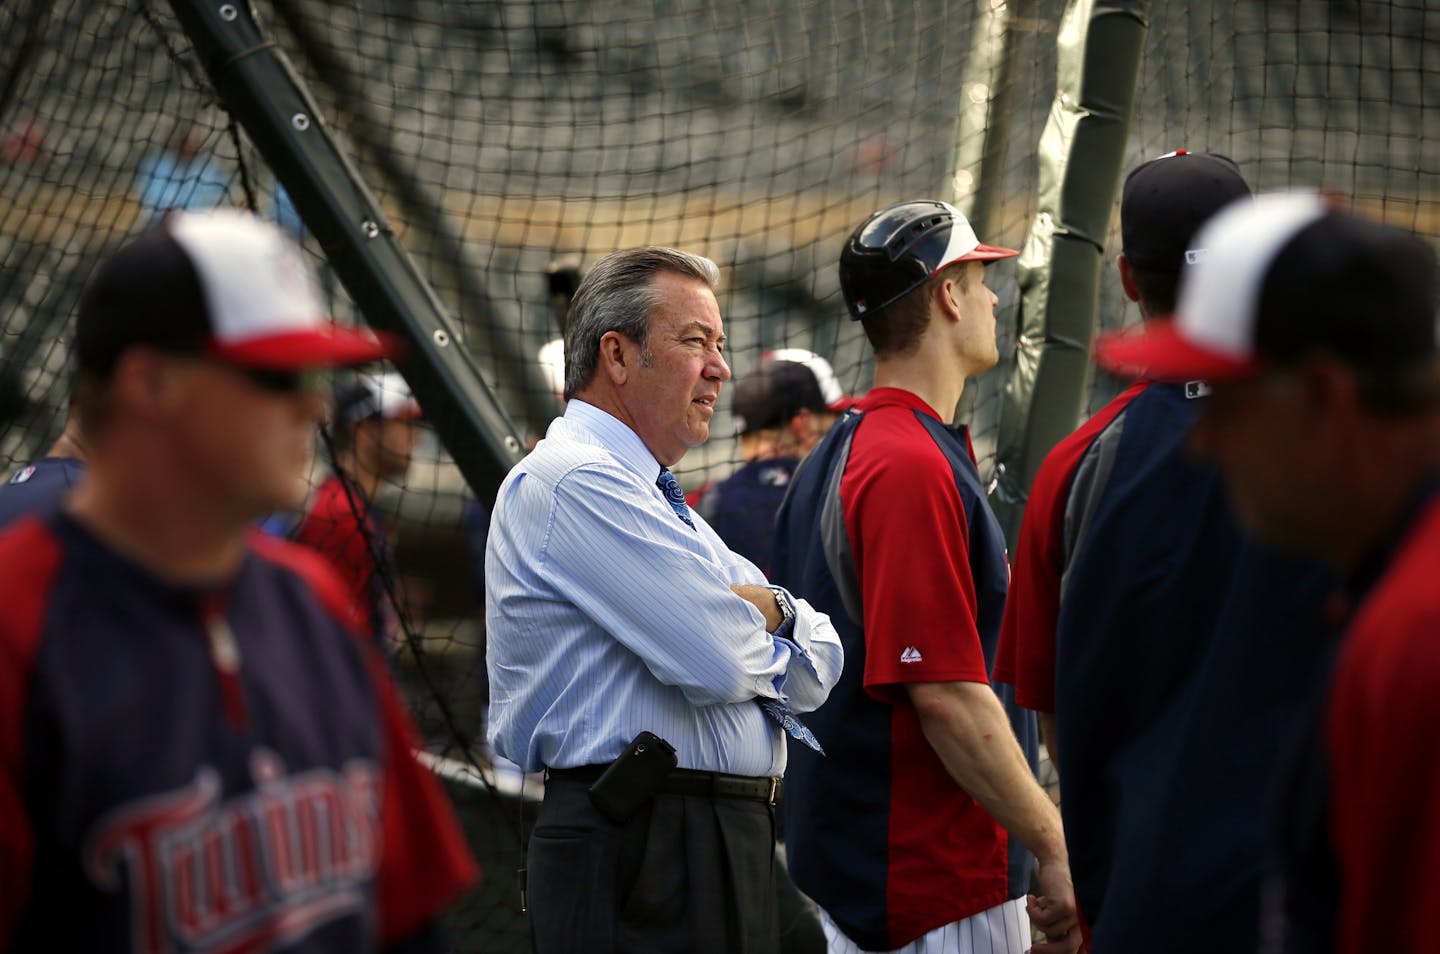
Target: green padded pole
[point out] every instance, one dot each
(1081, 151)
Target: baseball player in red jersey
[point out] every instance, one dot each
(198, 749)
(915, 831)
(374, 435)
(1317, 330)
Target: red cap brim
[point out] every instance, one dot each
(987, 253)
(1158, 351)
(330, 346)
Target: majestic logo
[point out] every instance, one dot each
(911, 655)
(246, 873)
(23, 474)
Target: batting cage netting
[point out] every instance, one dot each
(512, 143)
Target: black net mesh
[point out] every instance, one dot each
(1339, 95)
(511, 142)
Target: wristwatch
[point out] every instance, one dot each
(787, 611)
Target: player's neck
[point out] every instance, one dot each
(180, 536)
(934, 382)
(69, 444)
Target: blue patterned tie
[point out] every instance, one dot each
(774, 708)
(780, 712)
(674, 496)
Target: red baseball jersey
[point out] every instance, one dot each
(342, 526)
(887, 529)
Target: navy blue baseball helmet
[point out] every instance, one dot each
(897, 249)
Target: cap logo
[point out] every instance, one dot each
(861, 307)
(1193, 255)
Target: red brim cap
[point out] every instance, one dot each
(1159, 351)
(986, 253)
(326, 346)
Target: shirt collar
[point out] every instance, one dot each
(601, 427)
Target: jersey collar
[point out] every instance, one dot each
(896, 397)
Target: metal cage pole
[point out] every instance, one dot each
(259, 86)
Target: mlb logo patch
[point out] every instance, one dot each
(22, 475)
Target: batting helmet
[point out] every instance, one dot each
(894, 251)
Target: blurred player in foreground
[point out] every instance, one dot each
(1317, 331)
(198, 749)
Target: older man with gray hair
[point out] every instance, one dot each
(649, 670)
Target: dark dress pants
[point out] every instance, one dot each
(687, 874)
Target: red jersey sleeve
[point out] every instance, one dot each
(426, 864)
(29, 558)
(1025, 657)
(909, 535)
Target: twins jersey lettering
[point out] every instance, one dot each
(157, 797)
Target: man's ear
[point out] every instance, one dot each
(143, 385)
(1127, 277)
(615, 364)
(946, 297)
(802, 424)
(1330, 388)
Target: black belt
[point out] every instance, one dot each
(690, 782)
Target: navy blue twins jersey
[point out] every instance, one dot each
(186, 769)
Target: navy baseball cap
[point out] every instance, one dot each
(1165, 201)
(835, 397)
(1284, 276)
(223, 284)
(774, 393)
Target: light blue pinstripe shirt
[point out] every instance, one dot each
(607, 615)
